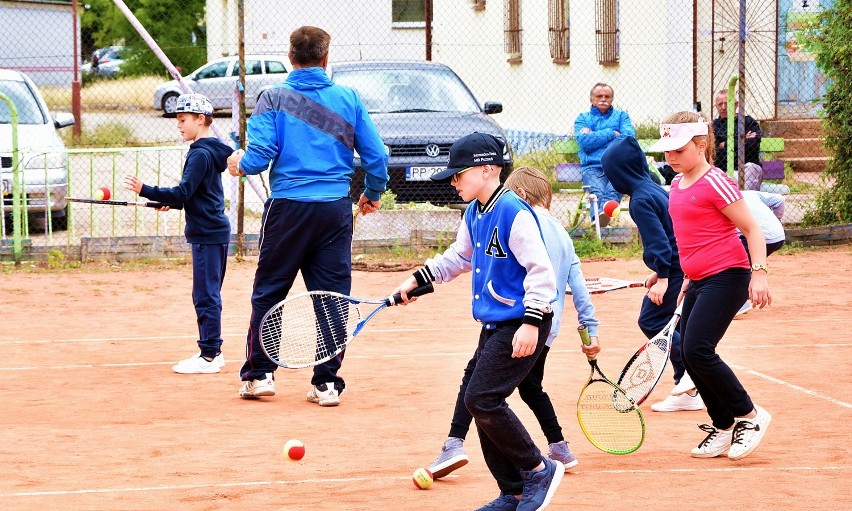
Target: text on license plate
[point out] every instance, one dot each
(421, 173)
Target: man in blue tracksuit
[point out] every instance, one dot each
(594, 131)
(305, 131)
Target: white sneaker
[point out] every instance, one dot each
(748, 433)
(325, 394)
(684, 385)
(714, 444)
(682, 403)
(744, 309)
(198, 365)
(258, 388)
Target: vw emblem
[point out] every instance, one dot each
(432, 150)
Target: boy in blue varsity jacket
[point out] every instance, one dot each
(500, 241)
(207, 228)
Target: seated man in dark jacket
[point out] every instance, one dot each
(753, 170)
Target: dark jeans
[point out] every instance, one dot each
(208, 272)
(653, 318)
(506, 445)
(708, 309)
(530, 390)
(314, 238)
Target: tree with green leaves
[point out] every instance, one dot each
(831, 40)
(178, 26)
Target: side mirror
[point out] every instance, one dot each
(493, 107)
(63, 119)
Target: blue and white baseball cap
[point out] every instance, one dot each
(193, 104)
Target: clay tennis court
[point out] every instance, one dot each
(92, 417)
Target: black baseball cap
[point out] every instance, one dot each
(471, 151)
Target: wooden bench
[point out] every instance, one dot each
(572, 172)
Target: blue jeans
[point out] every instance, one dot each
(598, 184)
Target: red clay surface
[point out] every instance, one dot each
(92, 417)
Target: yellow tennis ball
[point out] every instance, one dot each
(99, 194)
(294, 450)
(422, 478)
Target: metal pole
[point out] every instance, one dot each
(729, 142)
(427, 7)
(741, 98)
(17, 237)
(241, 190)
(75, 82)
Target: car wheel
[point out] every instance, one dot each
(170, 103)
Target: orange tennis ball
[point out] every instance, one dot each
(294, 450)
(422, 478)
(102, 193)
(612, 208)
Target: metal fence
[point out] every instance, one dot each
(522, 69)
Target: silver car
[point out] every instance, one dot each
(43, 159)
(217, 80)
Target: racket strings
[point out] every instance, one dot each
(309, 328)
(609, 419)
(641, 376)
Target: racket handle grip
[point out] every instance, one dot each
(158, 205)
(425, 289)
(584, 334)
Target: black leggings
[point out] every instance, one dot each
(708, 309)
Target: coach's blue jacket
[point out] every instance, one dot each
(603, 126)
(307, 129)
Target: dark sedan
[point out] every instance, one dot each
(420, 109)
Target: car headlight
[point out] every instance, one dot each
(358, 156)
(47, 161)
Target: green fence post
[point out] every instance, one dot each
(732, 118)
(17, 238)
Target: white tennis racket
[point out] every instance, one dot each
(645, 368)
(310, 328)
(598, 285)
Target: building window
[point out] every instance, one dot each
(408, 14)
(512, 29)
(559, 32)
(606, 31)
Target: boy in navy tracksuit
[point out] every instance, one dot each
(500, 242)
(626, 168)
(207, 228)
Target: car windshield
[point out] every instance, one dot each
(29, 111)
(408, 90)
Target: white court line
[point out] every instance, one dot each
(373, 478)
(792, 386)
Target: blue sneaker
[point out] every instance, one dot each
(504, 502)
(539, 486)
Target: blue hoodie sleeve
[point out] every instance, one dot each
(658, 253)
(194, 171)
(582, 299)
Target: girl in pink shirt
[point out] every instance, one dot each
(707, 209)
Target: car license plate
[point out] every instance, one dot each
(421, 173)
(7, 187)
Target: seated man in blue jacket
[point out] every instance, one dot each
(594, 131)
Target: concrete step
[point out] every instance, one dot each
(803, 147)
(792, 128)
(808, 164)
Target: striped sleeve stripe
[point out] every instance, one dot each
(723, 186)
(423, 276)
(533, 317)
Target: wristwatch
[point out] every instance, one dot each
(756, 267)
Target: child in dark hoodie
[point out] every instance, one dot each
(626, 168)
(207, 228)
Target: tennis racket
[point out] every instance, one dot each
(156, 205)
(608, 417)
(644, 370)
(598, 285)
(311, 328)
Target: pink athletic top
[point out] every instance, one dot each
(707, 240)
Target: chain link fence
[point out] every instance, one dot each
(521, 70)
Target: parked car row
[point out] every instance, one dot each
(42, 157)
(105, 61)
